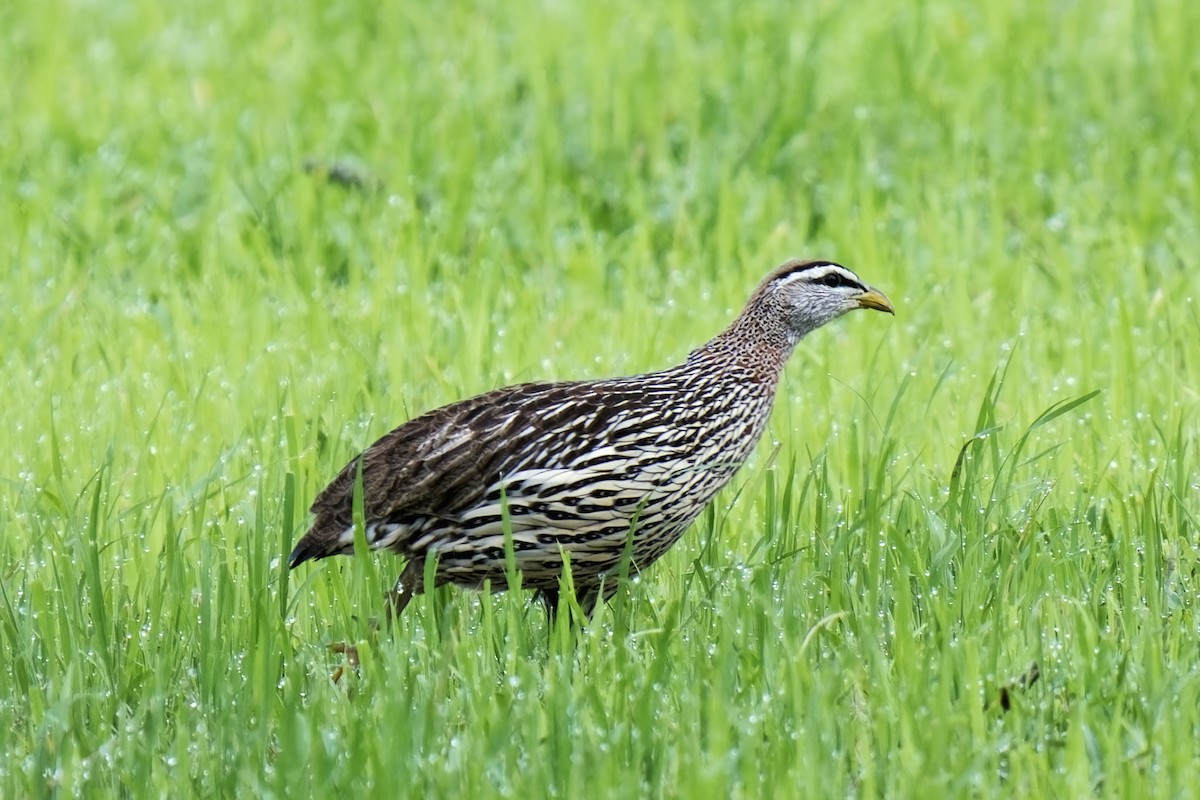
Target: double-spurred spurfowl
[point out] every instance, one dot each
(572, 471)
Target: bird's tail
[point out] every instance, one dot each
(323, 539)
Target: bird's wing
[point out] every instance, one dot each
(448, 461)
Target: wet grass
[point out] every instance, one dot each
(240, 242)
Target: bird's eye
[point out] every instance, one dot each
(836, 280)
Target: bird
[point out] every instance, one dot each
(578, 473)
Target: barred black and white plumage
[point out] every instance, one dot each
(577, 464)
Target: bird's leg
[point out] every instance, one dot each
(410, 584)
(351, 659)
(596, 595)
(549, 598)
(606, 595)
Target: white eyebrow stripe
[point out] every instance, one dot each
(816, 273)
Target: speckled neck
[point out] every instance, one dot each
(758, 341)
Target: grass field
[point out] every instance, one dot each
(198, 332)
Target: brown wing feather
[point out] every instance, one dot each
(442, 462)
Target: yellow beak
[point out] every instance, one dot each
(873, 298)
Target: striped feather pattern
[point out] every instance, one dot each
(579, 465)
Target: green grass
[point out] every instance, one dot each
(198, 334)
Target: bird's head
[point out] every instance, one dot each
(811, 293)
